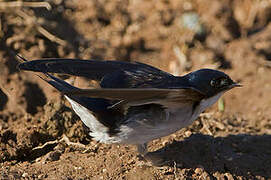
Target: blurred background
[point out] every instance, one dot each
(177, 36)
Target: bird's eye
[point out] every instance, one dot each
(213, 83)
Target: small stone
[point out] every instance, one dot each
(229, 176)
(40, 176)
(187, 133)
(198, 170)
(38, 159)
(165, 142)
(220, 125)
(191, 21)
(53, 156)
(25, 174)
(204, 175)
(78, 168)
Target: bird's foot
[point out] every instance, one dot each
(153, 159)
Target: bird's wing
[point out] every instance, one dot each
(124, 82)
(124, 85)
(138, 96)
(111, 74)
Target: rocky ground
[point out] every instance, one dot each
(41, 137)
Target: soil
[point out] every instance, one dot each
(41, 137)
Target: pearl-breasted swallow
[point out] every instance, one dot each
(136, 103)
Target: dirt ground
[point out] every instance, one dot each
(41, 137)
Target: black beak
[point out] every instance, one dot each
(234, 84)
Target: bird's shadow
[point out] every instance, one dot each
(243, 154)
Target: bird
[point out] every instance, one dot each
(135, 103)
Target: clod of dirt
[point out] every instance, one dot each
(63, 120)
(27, 143)
(21, 146)
(3, 100)
(8, 141)
(34, 97)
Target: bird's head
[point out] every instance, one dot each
(210, 82)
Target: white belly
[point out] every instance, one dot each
(139, 131)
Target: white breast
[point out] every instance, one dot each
(205, 103)
(138, 132)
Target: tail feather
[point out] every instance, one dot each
(98, 106)
(57, 83)
(93, 104)
(21, 58)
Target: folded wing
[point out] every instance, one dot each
(137, 95)
(130, 83)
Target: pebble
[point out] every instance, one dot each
(53, 156)
(78, 168)
(187, 133)
(198, 170)
(25, 174)
(229, 176)
(191, 21)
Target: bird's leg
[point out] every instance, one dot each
(142, 149)
(150, 157)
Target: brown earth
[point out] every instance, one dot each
(41, 137)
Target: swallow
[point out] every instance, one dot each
(135, 103)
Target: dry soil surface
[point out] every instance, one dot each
(41, 137)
